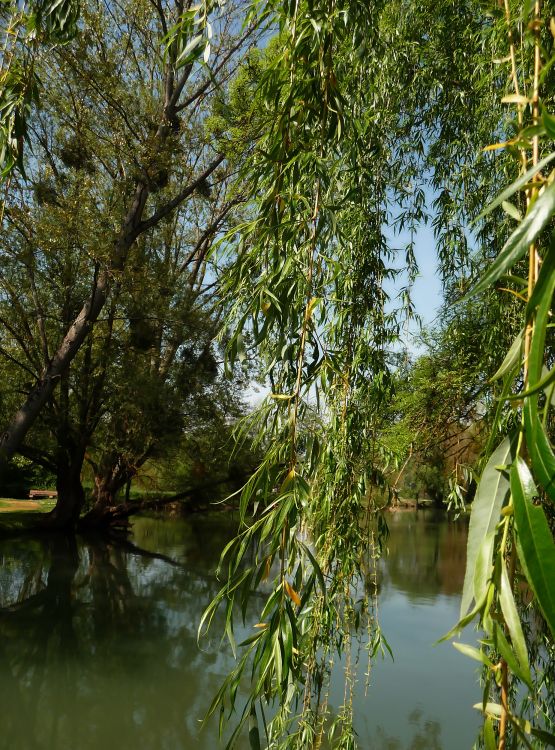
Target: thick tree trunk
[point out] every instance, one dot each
(71, 495)
(110, 477)
(117, 515)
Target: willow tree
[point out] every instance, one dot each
(307, 292)
(370, 103)
(511, 530)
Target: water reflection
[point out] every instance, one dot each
(98, 645)
(426, 554)
(98, 640)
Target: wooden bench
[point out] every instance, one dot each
(38, 494)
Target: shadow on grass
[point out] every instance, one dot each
(20, 516)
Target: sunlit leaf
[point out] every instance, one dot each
(473, 653)
(520, 240)
(517, 185)
(536, 548)
(486, 509)
(512, 620)
(512, 359)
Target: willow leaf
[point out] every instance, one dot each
(519, 241)
(254, 733)
(535, 545)
(490, 741)
(512, 620)
(543, 287)
(516, 185)
(507, 652)
(546, 737)
(473, 653)
(512, 359)
(511, 210)
(486, 509)
(547, 379)
(541, 452)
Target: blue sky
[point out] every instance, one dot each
(426, 291)
(427, 288)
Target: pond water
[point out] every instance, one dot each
(98, 643)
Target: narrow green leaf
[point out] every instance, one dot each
(546, 737)
(511, 210)
(518, 280)
(543, 289)
(316, 567)
(463, 622)
(516, 185)
(512, 359)
(486, 509)
(539, 447)
(484, 568)
(512, 620)
(548, 122)
(489, 734)
(541, 385)
(473, 653)
(519, 241)
(507, 652)
(535, 545)
(254, 733)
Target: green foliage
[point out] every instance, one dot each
(509, 528)
(486, 509)
(25, 28)
(307, 289)
(148, 372)
(341, 129)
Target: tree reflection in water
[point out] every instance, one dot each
(426, 554)
(427, 736)
(98, 642)
(98, 646)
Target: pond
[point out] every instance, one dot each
(98, 642)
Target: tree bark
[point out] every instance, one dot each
(71, 495)
(114, 515)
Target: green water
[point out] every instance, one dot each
(98, 641)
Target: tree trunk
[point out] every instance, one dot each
(71, 495)
(75, 336)
(110, 477)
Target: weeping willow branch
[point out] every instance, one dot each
(307, 289)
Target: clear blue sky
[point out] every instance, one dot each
(427, 288)
(426, 291)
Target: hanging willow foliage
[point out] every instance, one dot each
(307, 292)
(364, 103)
(342, 144)
(25, 28)
(511, 527)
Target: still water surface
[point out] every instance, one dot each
(98, 640)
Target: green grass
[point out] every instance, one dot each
(15, 516)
